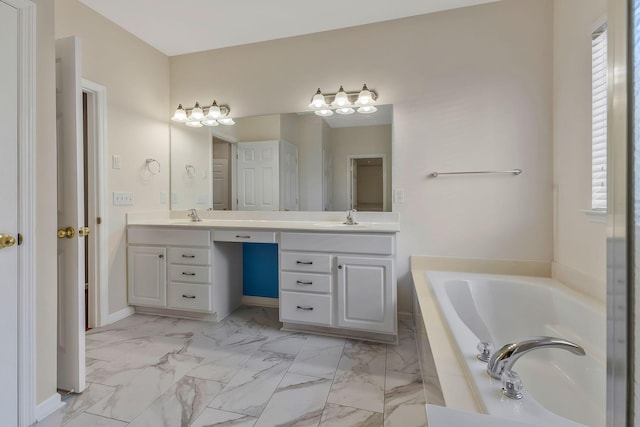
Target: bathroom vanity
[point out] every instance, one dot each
(333, 278)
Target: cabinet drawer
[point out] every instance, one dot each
(297, 261)
(305, 308)
(185, 296)
(168, 236)
(189, 273)
(305, 282)
(244, 236)
(379, 244)
(189, 256)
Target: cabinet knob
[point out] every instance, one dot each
(339, 266)
(160, 256)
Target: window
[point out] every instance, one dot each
(599, 119)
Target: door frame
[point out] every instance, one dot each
(97, 203)
(350, 159)
(26, 210)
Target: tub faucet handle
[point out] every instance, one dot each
(512, 385)
(485, 350)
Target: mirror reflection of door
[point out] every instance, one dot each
(366, 182)
(258, 177)
(221, 174)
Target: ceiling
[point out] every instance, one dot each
(186, 26)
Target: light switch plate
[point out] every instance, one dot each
(122, 198)
(398, 195)
(115, 162)
(164, 197)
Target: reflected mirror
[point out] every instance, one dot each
(287, 162)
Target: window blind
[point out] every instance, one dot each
(599, 119)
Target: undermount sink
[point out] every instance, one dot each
(182, 222)
(340, 225)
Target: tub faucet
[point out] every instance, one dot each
(351, 217)
(194, 215)
(504, 359)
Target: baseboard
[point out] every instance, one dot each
(48, 407)
(260, 301)
(119, 315)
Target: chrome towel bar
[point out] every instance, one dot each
(512, 172)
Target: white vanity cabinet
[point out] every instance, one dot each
(147, 275)
(180, 269)
(343, 281)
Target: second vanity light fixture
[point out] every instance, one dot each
(344, 102)
(209, 115)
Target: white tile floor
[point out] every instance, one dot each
(244, 371)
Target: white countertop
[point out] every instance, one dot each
(329, 222)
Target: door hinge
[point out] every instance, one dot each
(20, 239)
(99, 220)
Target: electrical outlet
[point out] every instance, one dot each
(164, 198)
(122, 198)
(115, 162)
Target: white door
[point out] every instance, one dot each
(71, 363)
(327, 182)
(220, 174)
(258, 176)
(366, 294)
(354, 184)
(288, 177)
(9, 214)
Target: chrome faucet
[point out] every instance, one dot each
(194, 215)
(351, 217)
(503, 360)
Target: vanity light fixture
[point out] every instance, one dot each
(196, 117)
(343, 102)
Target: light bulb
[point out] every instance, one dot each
(209, 122)
(226, 121)
(318, 102)
(341, 99)
(346, 110)
(214, 111)
(180, 115)
(367, 109)
(196, 113)
(365, 97)
(324, 113)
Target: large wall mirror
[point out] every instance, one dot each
(286, 162)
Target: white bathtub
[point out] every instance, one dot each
(560, 388)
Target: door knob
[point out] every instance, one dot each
(68, 232)
(83, 231)
(6, 241)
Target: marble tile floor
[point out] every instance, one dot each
(244, 371)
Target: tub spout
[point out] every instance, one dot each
(504, 359)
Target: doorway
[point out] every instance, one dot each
(221, 174)
(367, 182)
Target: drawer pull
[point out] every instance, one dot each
(301, 307)
(305, 262)
(300, 282)
(184, 273)
(188, 256)
(239, 236)
(188, 296)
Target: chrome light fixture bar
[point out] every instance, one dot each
(209, 115)
(343, 102)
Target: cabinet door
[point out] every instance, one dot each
(366, 294)
(147, 276)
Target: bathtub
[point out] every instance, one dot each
(560, 388)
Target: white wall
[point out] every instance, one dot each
(580, 245)
(137, 80)
(471, 88)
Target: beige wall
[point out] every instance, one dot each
(471, 88)
(580, 245)
(191, 146)
(137, 80)
(46, 269)
(357, 140)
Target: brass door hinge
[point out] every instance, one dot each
(99, 220)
